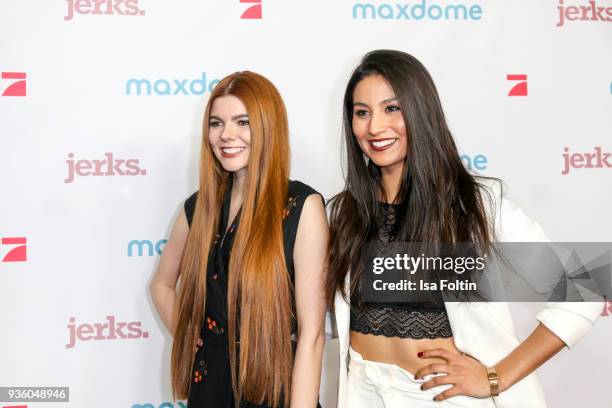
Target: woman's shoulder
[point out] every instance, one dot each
(297, 193)
(511, 223)
(299, 189)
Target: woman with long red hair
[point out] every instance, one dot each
(240, 283)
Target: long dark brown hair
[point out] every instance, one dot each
(259, 286)
(441, 201)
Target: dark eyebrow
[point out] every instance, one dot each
(384, 101)
(392, 99)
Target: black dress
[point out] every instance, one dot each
(211, 379)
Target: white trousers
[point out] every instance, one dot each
(379, 385)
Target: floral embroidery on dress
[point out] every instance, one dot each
(291, 203)
(198, 345)
(212, 326)
(202, 369)
(200, 372)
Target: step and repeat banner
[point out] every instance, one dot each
(100, 119)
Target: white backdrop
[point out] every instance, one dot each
(81, 276)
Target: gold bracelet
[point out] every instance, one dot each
(493, 381)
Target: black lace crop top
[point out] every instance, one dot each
(404, 320)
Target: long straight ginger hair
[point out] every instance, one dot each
(259, 288)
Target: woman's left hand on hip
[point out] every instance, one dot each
(467, 375)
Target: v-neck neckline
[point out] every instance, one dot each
(225, 210)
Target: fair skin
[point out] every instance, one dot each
(229, 137)
(379, 127)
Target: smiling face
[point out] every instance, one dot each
(229, 134)
(378, 123)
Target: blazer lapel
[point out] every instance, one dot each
(343, 316)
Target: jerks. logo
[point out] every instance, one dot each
(591, 12)
(519, 89)
(17, 251)
(17, 88)
(106, 7)
(607, 309)
(105, 167)
(110, 330)
(596, 159)
(253, 12)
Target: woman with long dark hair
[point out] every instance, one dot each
(249, 249)
(406, 183)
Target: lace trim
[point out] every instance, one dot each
(387, 222)
(391, 322)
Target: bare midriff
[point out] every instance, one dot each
(399, 351)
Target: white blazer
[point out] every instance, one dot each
(485, 330)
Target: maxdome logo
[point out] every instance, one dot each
(170, 87)
(179, 404)
(418, 11)
(476, 162)
(143, 244)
